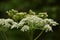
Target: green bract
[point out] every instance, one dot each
(27, 22)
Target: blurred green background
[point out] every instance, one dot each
(52, 7)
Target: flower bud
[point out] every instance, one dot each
(43, 15)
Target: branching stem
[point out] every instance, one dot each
(39, 35)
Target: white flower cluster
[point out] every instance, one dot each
(38, 23)
(8, 23)
(28, 21)
(47, 27)
(25, 28)
(51, 22)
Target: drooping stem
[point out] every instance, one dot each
(39, 35)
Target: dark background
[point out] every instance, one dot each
(52, 7)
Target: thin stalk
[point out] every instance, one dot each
(39, 35)
(4, 36)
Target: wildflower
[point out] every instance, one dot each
(15, 25)
(9, 20)
(27, 21)
(51, 22)
(47, 27)
(22, 22)
(31, 12)
(43, 15)
(12, 12)
(25, 28)
(54, 23)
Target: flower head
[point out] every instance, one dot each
(47, 27)
(25, 28)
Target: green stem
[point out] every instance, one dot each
(39, 35)
(4, 36)
(31, 35)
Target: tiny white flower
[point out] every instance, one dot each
(51, 22)
(9, 20)
(22, 22)
(54, 23)
(47, 27)
(25, 28)
(15, 25)
(7, 25)
(48, 20)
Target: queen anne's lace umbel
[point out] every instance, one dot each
(28, 22)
